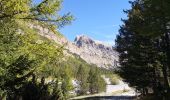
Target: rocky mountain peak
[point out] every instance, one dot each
(92, 51)
(83, 40)
(95, 52)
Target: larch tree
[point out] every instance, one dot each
(23, 52)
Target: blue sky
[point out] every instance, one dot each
(98, 19)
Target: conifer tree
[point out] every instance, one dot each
(143, 44)
(96, 82)
(82, 79)
(21, 52)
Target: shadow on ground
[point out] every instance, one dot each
(110, 98)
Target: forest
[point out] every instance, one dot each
(144, 46)
(33, 67)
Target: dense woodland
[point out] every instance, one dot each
(33, 67)
(144, 46)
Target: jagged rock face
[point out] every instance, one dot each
(83, 41)
(95, 53)
(88, 49)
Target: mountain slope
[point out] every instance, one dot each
(94, 52)
(86, 48)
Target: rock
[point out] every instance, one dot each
(93, 52)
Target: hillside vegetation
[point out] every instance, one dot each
(33, 67)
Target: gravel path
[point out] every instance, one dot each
(113, 92)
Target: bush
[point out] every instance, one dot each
(114, 79)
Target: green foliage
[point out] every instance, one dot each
(96, 82)
(136, 56)
(23, 52)
(34, 90)
(45, 11)
(114, 79)
(144, 44)
(80, 70)
(66, 86)
(75, 62)
(82, 76)
(58, 95)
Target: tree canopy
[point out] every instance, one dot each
(23, 52)
(144, 44)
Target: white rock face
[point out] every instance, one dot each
(94, 53)
(91, 51)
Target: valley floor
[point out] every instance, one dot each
(113, 92)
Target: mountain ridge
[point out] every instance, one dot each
(96, 53)
(85, 47)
